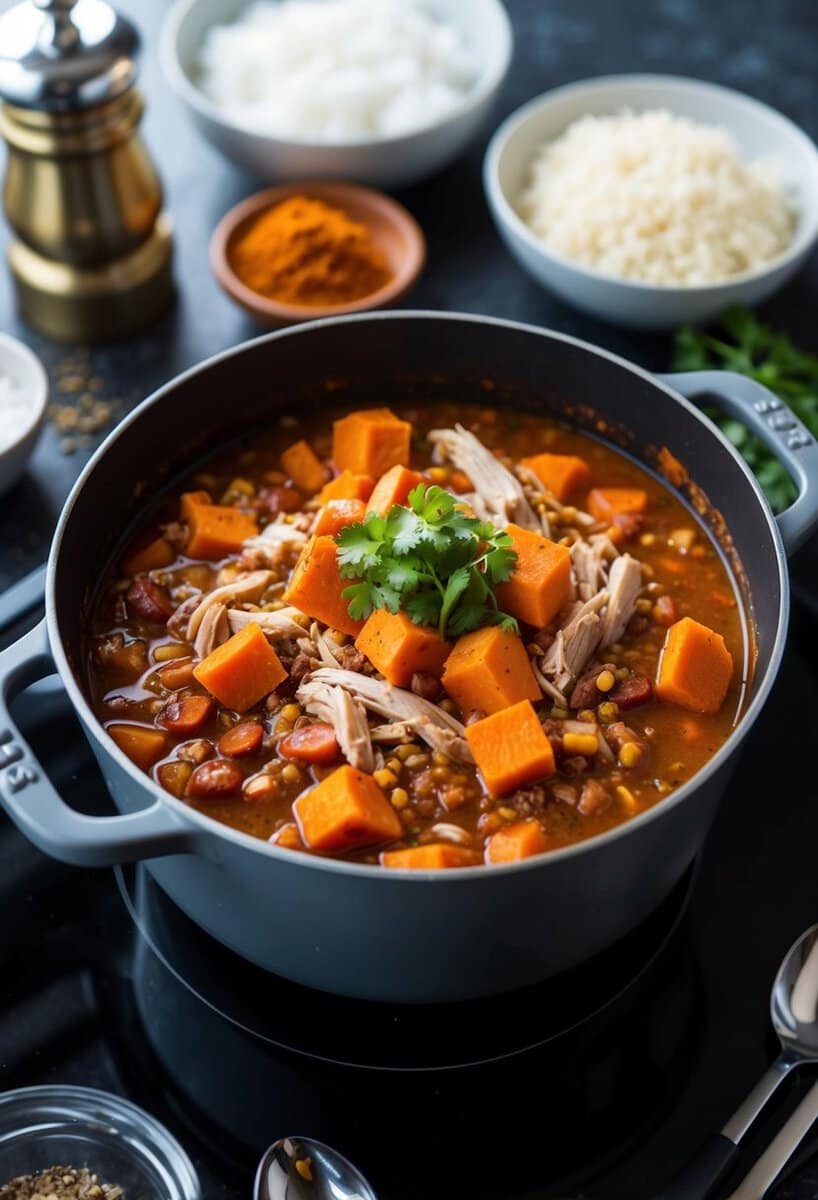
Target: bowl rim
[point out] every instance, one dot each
(489, 79)
(200, 821)
(13, 350)
(331, 191)
(140, 1132)
(506, 214)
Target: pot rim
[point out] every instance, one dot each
(598, 842)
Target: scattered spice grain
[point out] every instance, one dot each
(60, 1183)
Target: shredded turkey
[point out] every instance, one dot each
(276, 625)
(245, 587)
(428, 721)
(624, 586)
(347, 716)
(392, 733)
(501, 495)
(213, 630)
(451, 833)
(269, 547)
(574, 644)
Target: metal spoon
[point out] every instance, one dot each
(794, 1012)
(299, 1168)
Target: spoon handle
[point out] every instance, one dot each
(709, 1164)
(763, 1175)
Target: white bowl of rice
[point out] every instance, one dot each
(652, 201)
(382, 92)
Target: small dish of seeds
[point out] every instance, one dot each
(62, 1142)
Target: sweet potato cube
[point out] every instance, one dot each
(191, 500)
(337, 514)
(304, 467)
(607, 503)
(488, 670)
(522, 839)
(510, 748)
(397, 647)
(695, 667)
(242, 670)
(217, 530)
(540, 584)
(560, 474)
(316, 586)
(436, 856)
(371, 441)
(344, 810)
(143, 745)
(347, 486)
(149, 557)
(393, 488)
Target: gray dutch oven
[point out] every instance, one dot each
(357, 929)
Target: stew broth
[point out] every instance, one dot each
(139, 665)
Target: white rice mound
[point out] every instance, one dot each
(656, 198)
(336, 70)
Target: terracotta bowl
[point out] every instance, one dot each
(393, 230)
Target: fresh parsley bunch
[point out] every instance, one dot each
(753, 349)
(430, 559)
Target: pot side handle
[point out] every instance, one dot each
(36, 807)
(777, 426)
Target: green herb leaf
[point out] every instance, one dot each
(429, 559)
(755, 350)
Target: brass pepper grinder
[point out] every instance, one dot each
(91, 247)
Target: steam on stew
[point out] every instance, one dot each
(426, 640)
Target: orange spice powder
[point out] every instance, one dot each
(303, 251)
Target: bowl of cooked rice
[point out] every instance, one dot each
(651, 201)
(380, 92)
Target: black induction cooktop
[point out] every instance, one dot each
(596, 1087)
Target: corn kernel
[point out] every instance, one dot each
(385, 778)
(394, 764)
(404, 752)
(630, 754)
(559, 714)
(416, 761)
(440, 759)
(580, 743)
(399, 797)
(290, 773)
(569, 513)
(627, 797)
(438, 474)
(304, 1169)
(507, 812)
(647, 539)
(605, 680)
(608, 711)
(644, 605)
(291, 712)
(587, 716)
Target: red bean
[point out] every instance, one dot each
(186, 716)
(244, 738)
(312, 743)
(215, 779)
(149, 601)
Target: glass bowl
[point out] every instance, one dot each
(47, 1126)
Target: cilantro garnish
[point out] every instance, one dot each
(752, 348)
(430, 560)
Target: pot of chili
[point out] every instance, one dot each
(422, 702)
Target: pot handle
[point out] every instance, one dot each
(777, 426)
(40, 812)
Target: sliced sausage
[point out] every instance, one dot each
(630, 693)
(149, 601)
(187, 715)
(215, 779)
(312, 743)
(244, 738)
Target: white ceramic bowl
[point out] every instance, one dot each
(759, 132)
(382, 162)
(17, 361)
